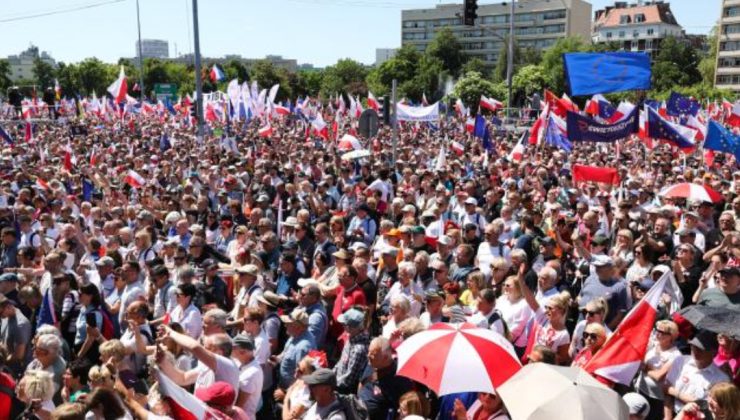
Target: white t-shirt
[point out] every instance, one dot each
(190, 318)
(250, 381)
(226, 371)
(688, 379)
(516, 315)
(487, 253)
(546, 335)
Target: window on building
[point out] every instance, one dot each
(625, 19)
(499, 19)
(635, 34)
(621, 34)
(557, 14)
(608, 35)
(639, 18)
(731, 11)
(731, 29)
(650, 31)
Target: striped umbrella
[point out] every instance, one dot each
(451, 358)
(691, 191)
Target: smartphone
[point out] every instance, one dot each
(90, 319)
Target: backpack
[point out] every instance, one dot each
(495, 317)
(352, 407)
(108, 331)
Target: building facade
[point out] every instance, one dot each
(384, 54)
(638, 27)
(537, 24)
(727, 74)
(21, 65)
(153, 48)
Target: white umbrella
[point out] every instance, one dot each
(541, 391)
(356, 154)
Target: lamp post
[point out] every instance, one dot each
(141, 59)
(198, 81)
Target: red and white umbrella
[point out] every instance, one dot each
(349, 142)
(451, 358)
(691, 191)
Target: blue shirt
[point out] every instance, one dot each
(81, 323)
(286, 283)
(296, 348)
(318, 323)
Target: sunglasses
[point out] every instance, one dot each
(593, 336)
(661, 332)
(589, 313)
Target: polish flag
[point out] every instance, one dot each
(118, 89)
(265, 131)
(69, 160)
(620, 358)
(458, 148)
(517, 153)
(281, 110)
(460, 108)
(94, 156)
(320, 126)
(348, 142)
(359, 109)
(372, 102)
(623, 109)
(470, 125)
(134, 179)
(42, 184)
(184, 405)
(490, 104)
(697, 124)
(28, 135)
(733, 118)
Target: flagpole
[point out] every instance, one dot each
(198, 81)
(394, 121)
(141, 58)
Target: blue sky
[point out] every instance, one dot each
(312, 31)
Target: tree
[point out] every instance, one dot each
(552, 60)
(235, 69)
(528, 80)
(69, 78)
(43, 72)
(5, 81)
(347, 76)
(267, 75)
(522, 57)
(471, 86)
(95, 76)
(708, 63)
(447, 48)
(402, 67)
(474, 64)
(677, 64)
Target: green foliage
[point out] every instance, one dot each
(403, 67)
(702, 91)
(552, 60)
(235, 69)
(472, 85)
(346, 76)
(474, 64)
(266, 74)
(43, 72)
(4, 75)
(95, 76)
(528, 80)
(708, 63)
(447, 48)
(675, 65)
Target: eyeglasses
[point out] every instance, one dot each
(592, 336)
(661, 332)
(589, 313)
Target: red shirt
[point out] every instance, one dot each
(345, 299)
(5, 401)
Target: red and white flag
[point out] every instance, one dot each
(134, 179)
(265, 131)
(490, 104)
(69, 159)
(372, 103)
(119, 88)
(184, 405)
(320, 126)
(622, 354)
(42, 184)
(458, 148)
(517, 153)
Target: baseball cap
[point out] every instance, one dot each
(352, 318)
(342, 254)
(705, 340)
(244, 341)
(471, 200)
(599, 240)
(9, 277)
(307, 282)
(644, 284)
(390, 250)
(444, 240)
(105, 262)
(637, 404)
(322, 376)
(220, 394)
(602, 261)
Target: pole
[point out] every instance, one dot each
(510, 61)
(198, 81)
(141, 59)
(394, 121)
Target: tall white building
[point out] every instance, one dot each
(537, 24)
(21, 65)
(727, 74)
(384, 54)
(639, 27)
(153, 48)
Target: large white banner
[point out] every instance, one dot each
(414, 113)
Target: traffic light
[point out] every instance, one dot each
(470, 15)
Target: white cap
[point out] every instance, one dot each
(307, 282)
(471, 200)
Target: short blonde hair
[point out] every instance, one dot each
(596, 328)
(669, 326)
(38, 384)
(561, 300)
(112, 348)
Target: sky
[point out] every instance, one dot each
(318, 32)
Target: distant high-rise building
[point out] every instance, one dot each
(727, 73)
(537, 24)
(21, 65)
(639, 27)
(384, 54)
(153, 48)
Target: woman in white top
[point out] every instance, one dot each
(550, 320)
(298, 397)
(662, 351)
(640, 267)
(595, 311)
(515, 311)
(185, 313)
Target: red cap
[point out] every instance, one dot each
(220, 394)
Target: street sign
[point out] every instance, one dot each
(165, 91)
(369, 123)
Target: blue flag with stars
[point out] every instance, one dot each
(6, 136)
(721, 139)
(678, 105)
(658, 128)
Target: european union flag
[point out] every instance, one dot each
(720, 139)
(481, 130)
(591, 73)
(554, 136)
(6, 136)
(680, 105)
(164, 143)
(168, 105)
(658, 128)
(87, 190)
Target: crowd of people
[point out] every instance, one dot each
(274, 279)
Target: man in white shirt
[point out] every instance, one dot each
(486, 315)
(492, 247)
(134, 289)
(690, 377)
(214, 363)
(472, 216)
(407, 288)
(249, 290)
(250, 375)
